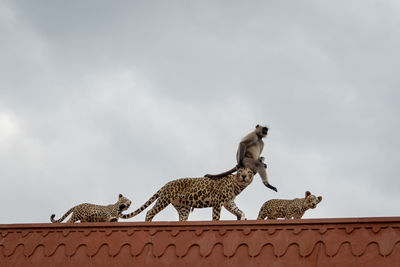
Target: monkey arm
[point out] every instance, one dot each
(261, 146)
(241, 152)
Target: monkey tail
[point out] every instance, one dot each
(139, 210)
(217, 176)
(62, 218)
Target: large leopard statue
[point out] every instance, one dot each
(188, 193)
(87, 212)
(286, 208)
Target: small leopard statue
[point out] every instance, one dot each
(188, 193)
(286, 208)
(87, 212)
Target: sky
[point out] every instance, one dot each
(102, 97)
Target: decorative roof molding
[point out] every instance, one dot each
(321, 242)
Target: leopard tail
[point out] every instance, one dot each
(142, 208)
(62, 218)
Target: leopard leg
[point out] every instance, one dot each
(73, 218)
(232, 208)
(272, 215)
(183, 212)
(113, 219)
(159, 206)
(298, 215)
(216, 212)
(261, 215)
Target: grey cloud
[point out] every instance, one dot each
(100, 98)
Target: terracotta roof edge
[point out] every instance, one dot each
(355, 220)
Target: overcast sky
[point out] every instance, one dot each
(99, 98)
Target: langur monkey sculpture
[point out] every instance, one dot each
(248, 156)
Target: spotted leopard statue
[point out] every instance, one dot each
(87, 212)
(189, 193)
(286, 208)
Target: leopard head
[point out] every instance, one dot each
(123, 202)
(311, 201)
(244, 175)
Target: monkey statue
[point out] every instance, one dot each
(248, 156)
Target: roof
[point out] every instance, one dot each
(306, 242)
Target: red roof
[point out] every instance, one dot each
(309, 242)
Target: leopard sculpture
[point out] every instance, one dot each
(87, 212)
(189, 193)
(286, 208)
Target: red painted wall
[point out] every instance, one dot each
(310, 242)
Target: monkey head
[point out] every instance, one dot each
(261, 131)
(244, 175)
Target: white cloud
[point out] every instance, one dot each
(8, 127)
